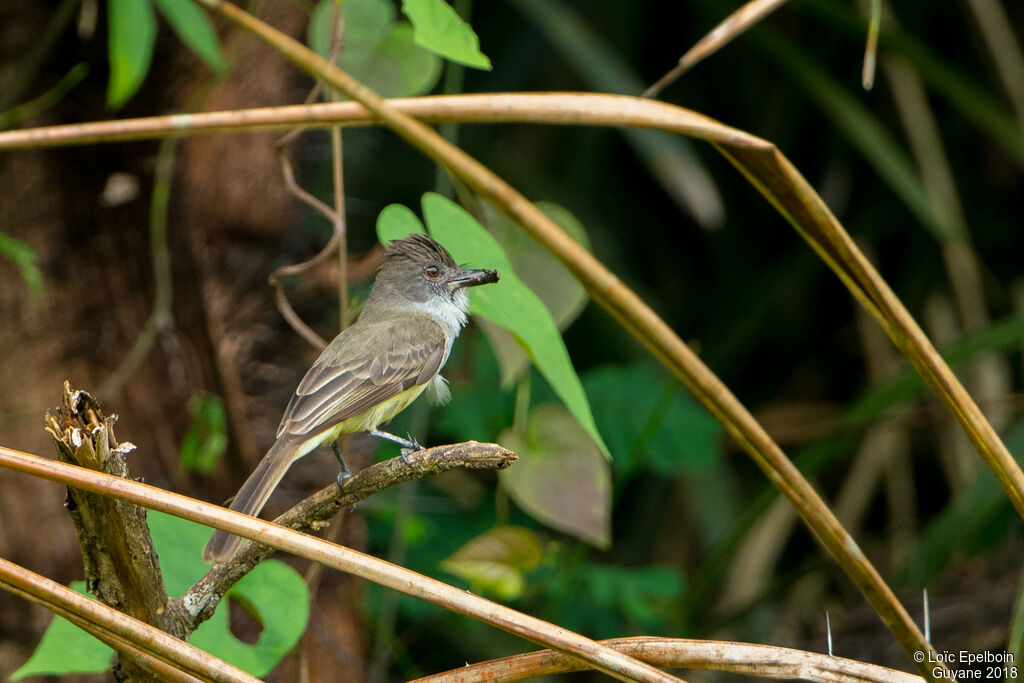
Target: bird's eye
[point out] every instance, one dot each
(431, 271)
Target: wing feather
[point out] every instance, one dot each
(345, 382)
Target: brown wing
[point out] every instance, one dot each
(346, 379)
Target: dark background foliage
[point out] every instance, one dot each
(764, 312)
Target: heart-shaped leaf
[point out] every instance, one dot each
(496, 561)
(561, 478)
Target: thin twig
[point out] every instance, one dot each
(323, 505)
(867, 74)
(729, 28)
(280, 298)
(338, 172)
(335, 216)
(293, 319)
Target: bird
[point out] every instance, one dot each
(372, 370)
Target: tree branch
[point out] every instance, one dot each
(121, 567)
(314, 511)
(337, 557)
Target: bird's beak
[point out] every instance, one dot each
(472, 278)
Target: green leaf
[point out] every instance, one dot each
(195, 30)
(132, 34)
(511, 304)
(652, 422)
(273, 590)
(280, 599)
(561, 478)
(66, 649)
(496, 561)
(538, 268)
(367, 22)
(27, 261)
(439, 28)
(397, 221)
(206, 439)
(378, 51)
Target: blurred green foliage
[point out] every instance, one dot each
(27, 261)
(379, 50)
(206, 439)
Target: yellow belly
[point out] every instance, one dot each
(368, 419)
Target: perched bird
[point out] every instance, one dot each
(372, 370)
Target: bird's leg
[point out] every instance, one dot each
(344, 472)
(408, 445)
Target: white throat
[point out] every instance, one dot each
(451, 315)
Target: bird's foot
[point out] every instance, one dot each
(409, 445)
(413, 446)
(343, 476)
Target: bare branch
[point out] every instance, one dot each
(312, 512)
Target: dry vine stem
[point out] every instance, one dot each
(338, 557)
(679, 653)
(779, 181)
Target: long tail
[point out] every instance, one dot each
(253, 495)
